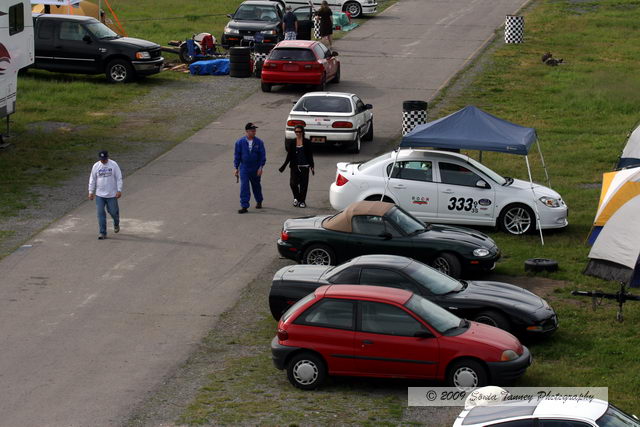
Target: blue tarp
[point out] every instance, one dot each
(215, 67)
(472, 129)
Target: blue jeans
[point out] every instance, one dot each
(249, 177)
(111, 203)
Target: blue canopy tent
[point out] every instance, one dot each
(474, 129)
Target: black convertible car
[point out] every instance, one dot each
(383, 228)
(498, 304)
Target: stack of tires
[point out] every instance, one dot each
(261, 51)
(240, 62)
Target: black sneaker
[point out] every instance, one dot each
(116, 228)
(243, 210)
(102, 236)
(259, 205)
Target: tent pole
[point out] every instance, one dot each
(535, 202)
(544, 166)
(386, 183)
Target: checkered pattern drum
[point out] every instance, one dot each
(258, 57)
(316, 27)
(514, 29)
(414, 113)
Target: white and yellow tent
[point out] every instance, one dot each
(615, 235)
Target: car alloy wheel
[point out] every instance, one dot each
(318, 256)
(448, 264)
(493, 318)
(517, 220)
(118, 73)
(354, 9)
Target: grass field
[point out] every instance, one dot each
(582, 111)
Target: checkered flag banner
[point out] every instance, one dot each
(316, 27)
(414, 113)
(258, 57)
(514, 29)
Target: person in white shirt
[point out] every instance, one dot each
(105, 185)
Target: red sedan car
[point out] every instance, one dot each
(386, 332)
(300, 62)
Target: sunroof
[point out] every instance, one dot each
(483, 414)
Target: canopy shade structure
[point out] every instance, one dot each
(631, 154)
(616, 230)
(56, 2)
(472, 129)
(83, 8)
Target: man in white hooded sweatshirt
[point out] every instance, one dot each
(105, 183)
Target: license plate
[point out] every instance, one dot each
(248, 37)
(290, 67)
(318, 139)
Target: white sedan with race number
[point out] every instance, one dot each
(333, 118)
(447, 187)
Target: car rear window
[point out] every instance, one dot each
(292, 54)
(324, 104)
(297, 305)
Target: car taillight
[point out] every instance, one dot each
(313, 67)
(282, 334)
(341, 180)
(271, 65)
(293, 123)
(342, 125)
(284, 236)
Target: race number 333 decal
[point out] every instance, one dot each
(460, 203)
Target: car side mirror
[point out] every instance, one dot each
(482, 184)
(334, 53)
(368, 107)
(385, 236)
(230, 15)
(423, 334)
(87, 39)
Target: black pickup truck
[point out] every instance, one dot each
(83, 45)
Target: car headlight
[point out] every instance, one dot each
(481, 252)
(550, 202)
(269, 32)
(143, 55)
(229, 30)
(508, 355)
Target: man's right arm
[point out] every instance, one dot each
(92, 182)
(237, 157)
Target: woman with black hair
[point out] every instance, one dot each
(300, 161)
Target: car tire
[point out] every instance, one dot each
(266, 87)
(306, 371)
(336, 78)
(517, 219)
(355, 146)
(537, 265)
(369, 135)
(467, 374)
(184, 55)
(319, 254)
(119, 71)
(353, 8)
(322, 87)
(493, 318)
(448, 264)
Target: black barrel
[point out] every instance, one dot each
(240, 62)
(414, 113)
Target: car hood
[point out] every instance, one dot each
(540, 190)
(491, 336)
(457, 234)
(501, 294)
(303, 273)
(253, 25)
(139, 43)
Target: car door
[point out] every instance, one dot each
(329, 61)
(412, 186)
(362, 115)
(385, 343)
(75, 48)
(304, 16)
(44, 44)
(372, 234)
(329, 327)
(464, 195)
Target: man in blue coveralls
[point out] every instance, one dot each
(249, 158)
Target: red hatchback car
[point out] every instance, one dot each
(300, 62)
(386, 332)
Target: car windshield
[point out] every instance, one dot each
(291, 54)
(437, 283)
(499, 179)
(101, 31)
(408, 224)
(297, 305)
(324, 104)
(434, 315)
(614, 417)
(373, 161)
(253, 12)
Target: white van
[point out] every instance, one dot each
(356, 8)
(16, 49)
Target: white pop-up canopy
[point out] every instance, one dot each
(56, 2)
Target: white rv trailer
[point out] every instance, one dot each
(16, 49)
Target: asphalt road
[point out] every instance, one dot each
(88, 326)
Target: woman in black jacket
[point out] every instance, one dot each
(300, 161)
